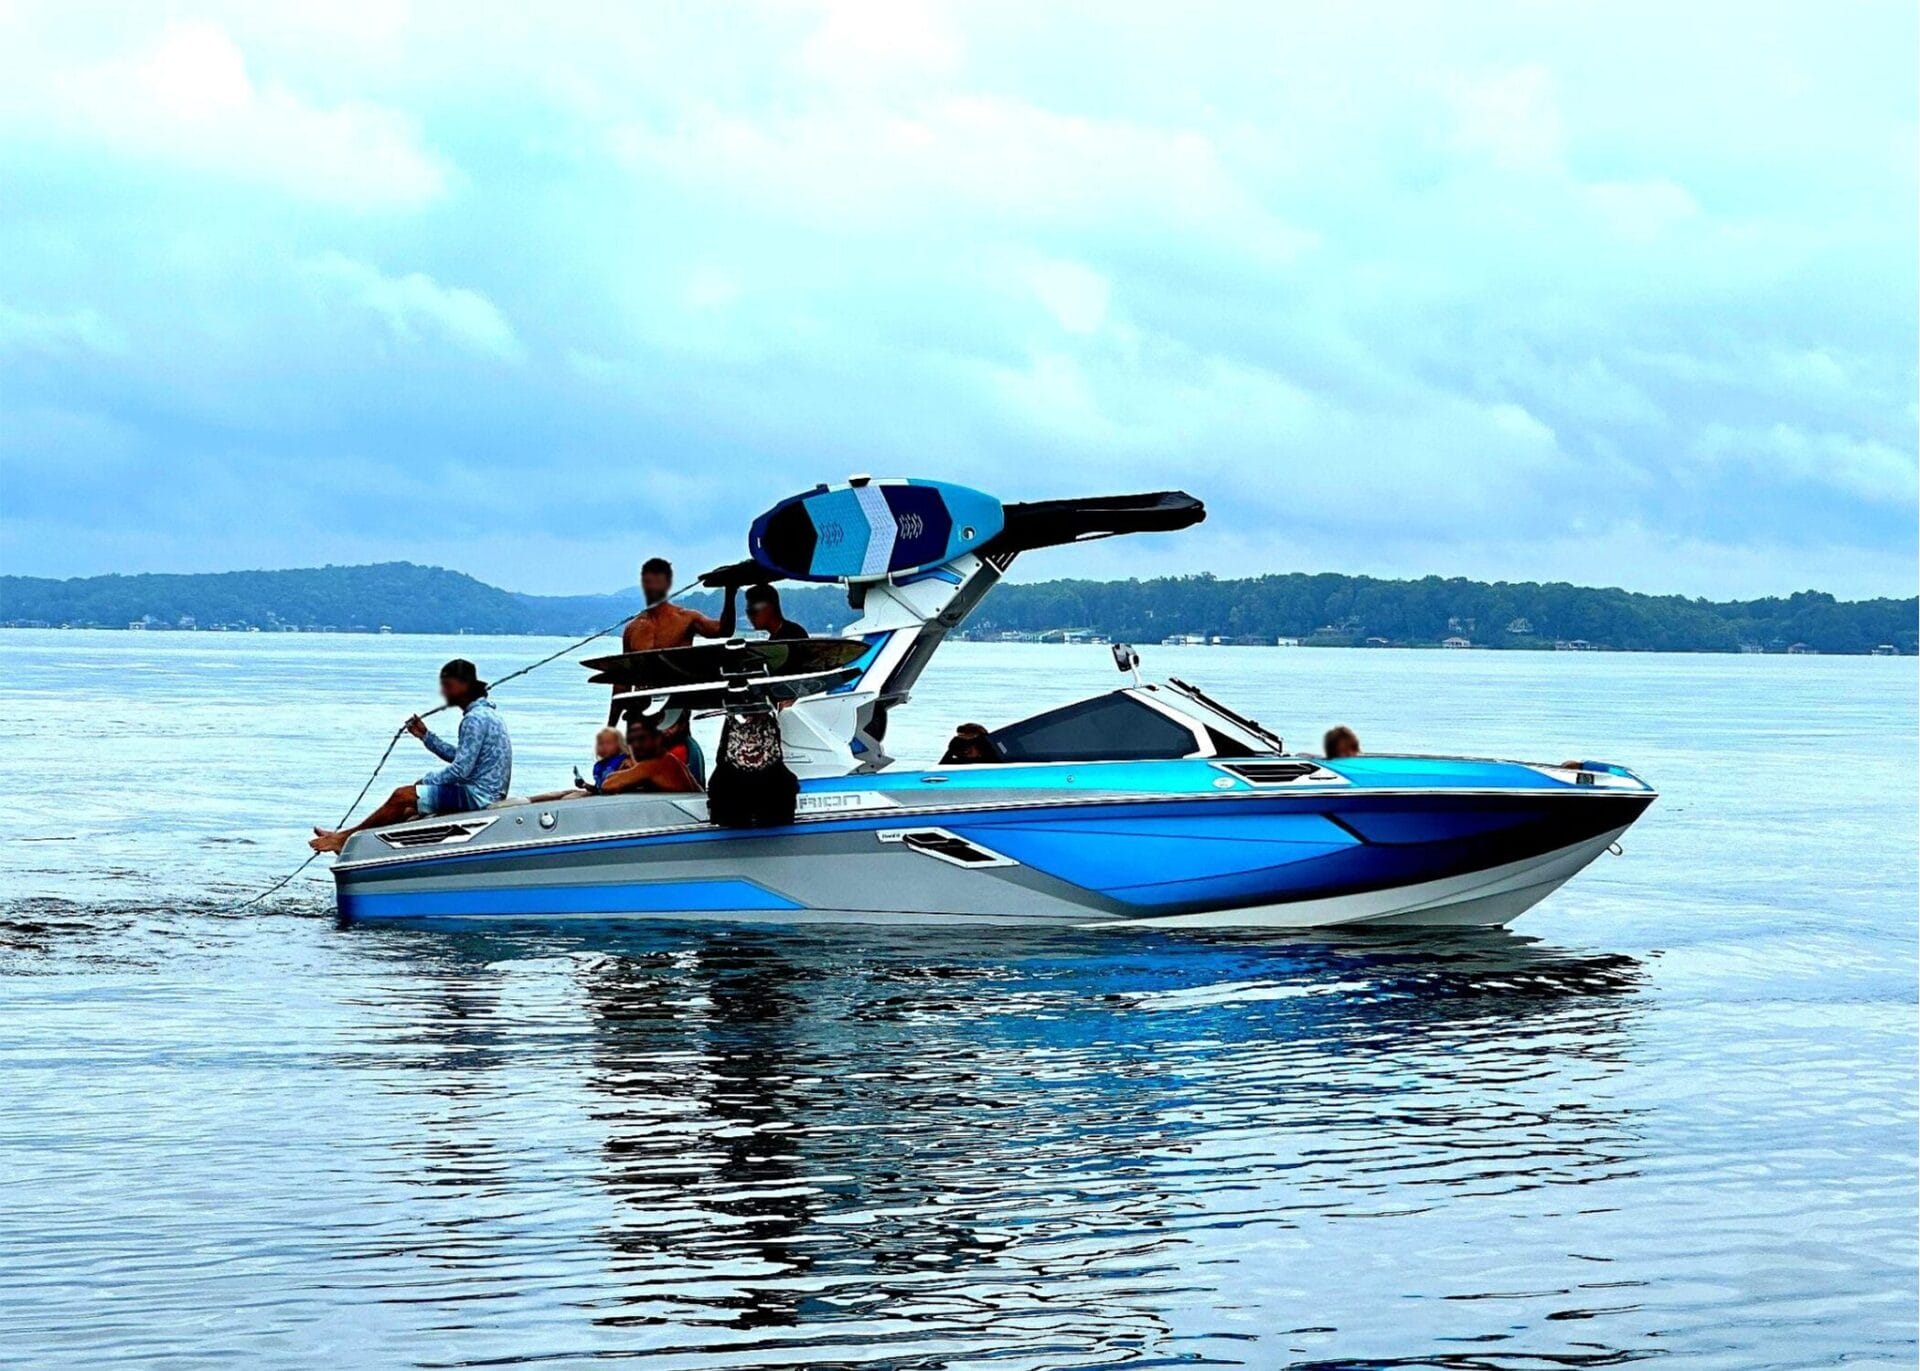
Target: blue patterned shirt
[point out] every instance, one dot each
(483, 761)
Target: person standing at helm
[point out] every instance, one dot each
(663, 623)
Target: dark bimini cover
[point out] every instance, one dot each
(1051, 523)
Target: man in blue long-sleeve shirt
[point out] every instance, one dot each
(478, 770)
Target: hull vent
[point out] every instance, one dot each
(947, 847)
(1276, 773)
(435, 835)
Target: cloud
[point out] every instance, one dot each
(1511, 118)
(942, 163)
(58, 334)
(190, 101)
(1851, 465)
(1542, 288)
(882, 42)
(1076, 296)
(1641, 211)
(415, 308)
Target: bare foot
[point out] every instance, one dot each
(327, 842)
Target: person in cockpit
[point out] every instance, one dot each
(971, 746)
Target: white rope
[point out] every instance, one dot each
(394, 741)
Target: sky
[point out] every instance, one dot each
(1619, 294)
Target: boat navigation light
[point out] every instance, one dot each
(1126, 659)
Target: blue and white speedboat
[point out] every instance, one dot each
(1152, 804)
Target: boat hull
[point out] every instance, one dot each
(1484, 899)
(1083, 850)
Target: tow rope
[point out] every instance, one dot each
(400, 732)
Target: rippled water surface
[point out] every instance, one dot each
(1670, 1116)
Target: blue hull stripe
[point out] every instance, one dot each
(1127, 852)
(641, 897)
(1138, 812)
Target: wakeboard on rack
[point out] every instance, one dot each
(868, 530)
(736, 673)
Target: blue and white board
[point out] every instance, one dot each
(869, 529)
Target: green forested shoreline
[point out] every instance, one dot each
(1324, 608)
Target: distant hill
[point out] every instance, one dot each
(398, 595)
(1315, 609)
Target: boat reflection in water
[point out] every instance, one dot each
(1062, 1148)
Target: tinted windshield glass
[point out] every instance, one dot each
(1113, 727)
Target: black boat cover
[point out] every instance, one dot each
(1050, 523)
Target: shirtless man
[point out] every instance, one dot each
(663, 623)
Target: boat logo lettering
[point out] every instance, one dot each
(833, 802)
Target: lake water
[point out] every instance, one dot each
(1671, 1115)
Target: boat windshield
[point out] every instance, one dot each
(1113, 727)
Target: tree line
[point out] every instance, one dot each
(1314, 608)
(1334, 608)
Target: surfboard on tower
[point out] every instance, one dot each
(867, 529)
